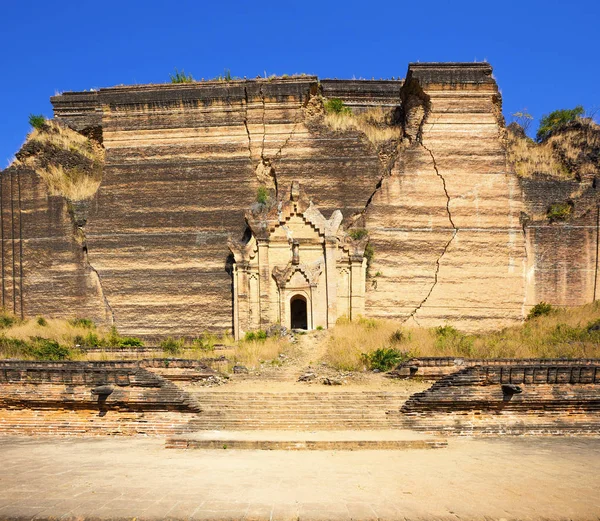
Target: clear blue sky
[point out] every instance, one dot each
(545, 54)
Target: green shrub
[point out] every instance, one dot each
(262, 195)
(319, 328)
(113, 338)
(384, 358)
(13, 347)
(46, 349)
(559, 211)
(41, 321)
(336, 106)
(369, 323)
(171, 345)
(358, 233)
(181, 77)
(37, 121)
(449, 339)
(369, 255)
(541, 309)
(7, 320)
(553, 121)
(563, 333)
(130, 341)
(89, 340)
(252, 336)
(206, 342)
(82, 322)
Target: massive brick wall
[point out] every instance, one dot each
(43, 266)
(562, 257)
(180, 172)
(455, 233)
(449, 245)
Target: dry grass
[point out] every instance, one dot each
(347, 341)
(373, 123)
(579, 145)
(55, 329)
(529, 158)
(74, 183)
(251, 353)
(67, 139)
(576, 145)
(562, 334)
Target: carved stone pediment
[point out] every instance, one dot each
(242, 252)
(354, 247)
(311, 273)
(263, 219)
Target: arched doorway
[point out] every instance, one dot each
(298, 313)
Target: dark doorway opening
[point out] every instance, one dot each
(299, 316)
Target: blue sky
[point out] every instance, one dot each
(545, 54)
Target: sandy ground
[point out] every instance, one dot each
(509, 478)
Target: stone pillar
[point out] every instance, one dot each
(241, 298)
(331, 279)
(264, 286)
(236, 318)
(357, 285)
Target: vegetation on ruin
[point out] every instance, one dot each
(383, 358)
(549, 332)
(252, 352)
(37, 121)
(181, 77)
(262, 195)
(336, 106)
(529, 158)
(252, 336)
(541, 309)
(358, 234)
(567, 146)
(376, 124)
(172, 346)
(556, 120)
(559, 211)
(70, 163)
(50, 339)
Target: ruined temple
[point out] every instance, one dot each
(298, 269)
(406, 209)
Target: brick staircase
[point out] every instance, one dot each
(300, 411)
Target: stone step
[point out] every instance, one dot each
(300, 426)
(316, 440)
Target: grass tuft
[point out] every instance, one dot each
(375, 124)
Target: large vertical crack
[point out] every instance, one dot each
(264, 136)
(107, 307)
(446, 246)
(246, 124)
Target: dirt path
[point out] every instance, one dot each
(507, 479)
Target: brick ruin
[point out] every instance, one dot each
(511, 397)
(160, 397)
(457, 236)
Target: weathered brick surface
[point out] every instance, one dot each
(555, 399)
(56, 398)
(434, 368)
